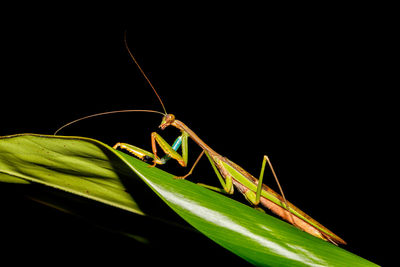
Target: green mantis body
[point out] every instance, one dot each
(229, 173)
(230, 176)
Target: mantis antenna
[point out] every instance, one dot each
(125, 110)
(144, 75)
(106, 113)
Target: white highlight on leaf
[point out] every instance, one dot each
(216, 218)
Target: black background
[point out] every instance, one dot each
(309, 89)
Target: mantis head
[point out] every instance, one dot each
(167, 121)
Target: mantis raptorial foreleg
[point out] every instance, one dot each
(144, 154)
(170, 151)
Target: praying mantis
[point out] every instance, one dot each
(229, 174)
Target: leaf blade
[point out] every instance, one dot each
(70, 164)
(258, 238)
(90, 168)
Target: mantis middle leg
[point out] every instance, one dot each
(227, 184)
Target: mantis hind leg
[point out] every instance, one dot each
(260, 182)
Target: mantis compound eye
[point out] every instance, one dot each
(170, 118)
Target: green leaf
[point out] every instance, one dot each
(89, 168)
(80, 166)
